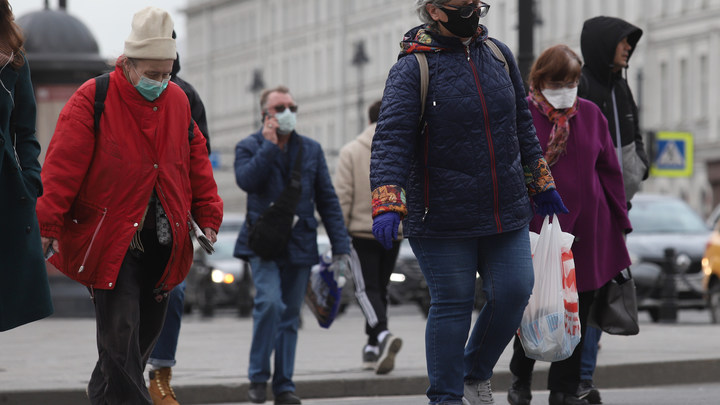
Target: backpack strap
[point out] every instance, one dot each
(102, 83)
(498, 53)
(424, 81)
(191, 132)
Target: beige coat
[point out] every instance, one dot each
(352, 184)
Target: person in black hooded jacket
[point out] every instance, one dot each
(607, 44)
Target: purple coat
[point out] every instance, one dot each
(590, 182)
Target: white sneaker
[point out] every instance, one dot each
(478, 393)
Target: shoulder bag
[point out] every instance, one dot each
(270, 234)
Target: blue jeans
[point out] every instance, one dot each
(450, 266)
(588, 358)
(280, 291)
(163, 354)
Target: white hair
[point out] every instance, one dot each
(423, 13)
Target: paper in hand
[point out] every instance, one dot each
(206, 244)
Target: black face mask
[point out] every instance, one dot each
(462, 27)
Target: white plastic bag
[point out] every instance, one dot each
(550, 327)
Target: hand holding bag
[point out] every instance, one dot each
(550, 327)
(614, 309)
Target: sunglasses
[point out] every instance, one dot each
(280, 108)
(467, 11)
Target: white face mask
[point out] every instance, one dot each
(286, 121)
(561, 98)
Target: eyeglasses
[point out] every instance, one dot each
(560, 85)
(467, 11)
(280, 108)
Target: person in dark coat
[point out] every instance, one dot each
(575, 140)
(464, 186)
(264, 162)
(197, 108)
(607, 44)
(24, 288)
(162, 358)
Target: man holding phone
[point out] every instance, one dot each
(264, 162)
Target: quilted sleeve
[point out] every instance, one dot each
(395, 137)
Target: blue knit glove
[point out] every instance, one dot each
(548, 203)
(385, 228)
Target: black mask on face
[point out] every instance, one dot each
(462, 27)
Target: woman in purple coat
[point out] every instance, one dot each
(574, 136)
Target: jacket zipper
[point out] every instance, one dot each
(427, 173)
(488, 135)
(87, 252)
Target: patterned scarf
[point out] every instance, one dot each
(561, 125)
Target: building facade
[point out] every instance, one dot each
(311, 46)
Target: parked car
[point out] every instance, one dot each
(219, 280)
(661, 222)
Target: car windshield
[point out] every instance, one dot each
(665, 216)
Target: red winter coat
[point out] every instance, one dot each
(98, 186)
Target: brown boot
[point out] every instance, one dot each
(160, 390)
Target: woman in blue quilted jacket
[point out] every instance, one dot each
(461, 176)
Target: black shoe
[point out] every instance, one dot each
(257, 393)
(287, 397)
(587, 390)
(389, 347)
(562, 398)
(519, 392)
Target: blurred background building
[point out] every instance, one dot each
(62, 54)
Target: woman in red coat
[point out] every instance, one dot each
(118, 202)
(574, 136)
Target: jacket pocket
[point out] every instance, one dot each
(81, 230)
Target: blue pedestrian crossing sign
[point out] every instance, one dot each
(674, 155)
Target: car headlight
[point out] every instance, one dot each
(217, 276)
(682, 262)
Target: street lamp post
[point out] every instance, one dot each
(360, 59)
(256, 87)
(526, 28)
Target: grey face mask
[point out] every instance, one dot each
(286, 121)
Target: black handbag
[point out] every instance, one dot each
(270, 234)
(614, 309)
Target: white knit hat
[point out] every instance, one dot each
(151, 35)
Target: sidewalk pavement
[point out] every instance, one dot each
(50, 361)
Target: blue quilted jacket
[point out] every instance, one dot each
(469, 169)
(262, 170)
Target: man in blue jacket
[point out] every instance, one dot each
(264, 162)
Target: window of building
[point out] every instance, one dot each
(704, 93)
(684, 107)
(665, 94)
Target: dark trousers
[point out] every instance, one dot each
(564, 375)
(129, 321)
(377, 266)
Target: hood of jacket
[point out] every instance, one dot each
(598, 42)
(424, 39)
(176, 65)
(366, 136)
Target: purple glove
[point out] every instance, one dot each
(548, 203)
(385, 228)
